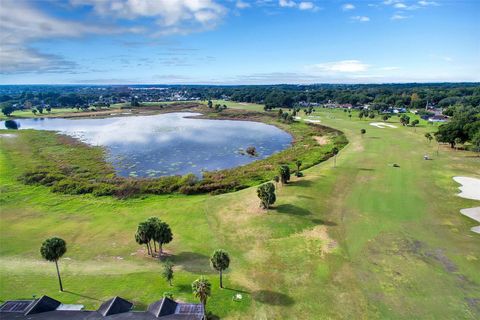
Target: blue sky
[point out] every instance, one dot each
(238, 42)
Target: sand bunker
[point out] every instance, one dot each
(312, 121)
(382, 125)
(8, 135)
(470, 189)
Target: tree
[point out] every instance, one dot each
(163, 235)
(361, 114)
(385, 117)
(298, 163)
(266, 193)
(202, 289)
(428, 136)
(457, 142)
(210, 104)
(404, 120)
(34, 111)
(220, 261)
(53, 249)
(335, 152)
(371, 115)
(142, 236)
(284, 172)
(276, 179)
(414, 124)
(7, 110)
(363, 131)
(167, 272)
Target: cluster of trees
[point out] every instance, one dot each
(218, 107)
(398, 95)
(52, 249)
(201, 287)
(153, 230)
(464, 126)
(285, 116)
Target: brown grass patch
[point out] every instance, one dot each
(323, 140)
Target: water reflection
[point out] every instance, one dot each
(168, 144)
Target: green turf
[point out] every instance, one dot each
(363, 240)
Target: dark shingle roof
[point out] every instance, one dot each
(43, 304)
(162, 307)
(114, 306)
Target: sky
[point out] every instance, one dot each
(238, 41)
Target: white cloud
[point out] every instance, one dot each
(306, 5)
(428, 3)
(344, 66)
(174, 15)
(390, 68)
(287, 3)
(348, 6)
(400, 5)
(361, 18)
(242, 5)
(21, 24)
(399, 16)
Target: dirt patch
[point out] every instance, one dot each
(320, 233)
(323, 140)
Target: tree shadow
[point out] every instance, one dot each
(184, 288)
(374, 137)
(366, 169)
(292, 209)
(301, 183)
(236, 290)
(272, 298)
(324, 222)
(192, 262)
(81, 295)
(211, 316)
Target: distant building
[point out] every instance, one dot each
(46, 308)
(439, 118)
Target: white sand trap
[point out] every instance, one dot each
(472, 213)
(470, 188)
(312, 121)
(8, 135)
(382, 125)
(298, 118)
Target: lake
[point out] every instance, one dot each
(169, 144)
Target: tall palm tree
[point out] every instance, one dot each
(220, 261)
(335, 152)
(53, 249)
(202, 289)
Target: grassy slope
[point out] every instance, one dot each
(363, 240)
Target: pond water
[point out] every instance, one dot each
(169, 144)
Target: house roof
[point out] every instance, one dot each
(114, 306)
(44, 304)
(162, 307)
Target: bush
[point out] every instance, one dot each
(69, 186)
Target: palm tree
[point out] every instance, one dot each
(202, 289)
(335, 152)
(141, 236)
(298, 163)
(220, 262)
(53, 249)
(167, 272)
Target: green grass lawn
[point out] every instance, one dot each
(363, 240)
